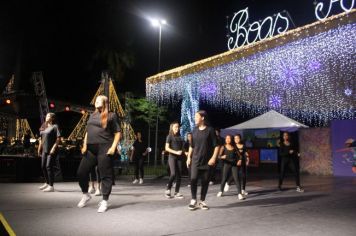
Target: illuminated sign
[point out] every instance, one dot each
(321, 14)
(240, 33)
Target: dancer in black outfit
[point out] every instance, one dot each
(187, 144)
(220, 141)
(202, 155)
(174, 146)
(243, 154)
(50, 138)
(232, 163)
(99, 147)
(139, 151)
(289, 154)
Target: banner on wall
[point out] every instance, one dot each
(343, 139)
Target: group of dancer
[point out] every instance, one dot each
(202, 153)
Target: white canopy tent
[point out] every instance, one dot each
(268, 120)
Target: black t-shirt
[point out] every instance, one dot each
(203, 144)
(139, 149)
(231, 156)
(284, 150)
(49, 137)
(175, 143)
(97, 134)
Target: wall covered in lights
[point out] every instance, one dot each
(311, 79)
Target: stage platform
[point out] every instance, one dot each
(328, 207)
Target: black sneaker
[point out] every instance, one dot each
(193, 205)
(203, 205)
(280, 188)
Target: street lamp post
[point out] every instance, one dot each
(158, 23)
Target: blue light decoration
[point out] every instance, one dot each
(275, 101)
(250, 79)
(306, 72)
(348, 92)
(190, 105)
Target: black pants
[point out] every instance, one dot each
(244, 175)
(138, 163)
(212, 173)
(285, 162)
(47, 165)
(235, 172)
(96, 155)
(175, 166)
(204, 175)
(94, 174)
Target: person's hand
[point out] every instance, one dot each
(179, 152)
(189, 160)
(211, 162)
(39, 152)
(111, 151)
(239, 162)
(223, 157)
(84, 149)
(247, 161)
(291, 151)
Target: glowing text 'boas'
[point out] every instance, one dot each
(346, 6)
(242, 33)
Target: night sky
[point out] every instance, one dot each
(61, 38)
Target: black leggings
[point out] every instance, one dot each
(96, 155)
(175, 166)
(236, 174)
(285, 162)
(138, 162)
(203, 174)
(47, 164)
(243, 175)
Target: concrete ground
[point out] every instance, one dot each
(328, 207)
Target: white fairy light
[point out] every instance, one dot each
(308, 75)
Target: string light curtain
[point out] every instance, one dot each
(308, 74)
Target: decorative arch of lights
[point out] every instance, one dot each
(308, 74)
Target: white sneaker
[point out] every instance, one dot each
(91, 190)
(226, 187)
(97, 192)
(211, 183)
(141, 181)
(241, 197)
(203, 205)
(219, 194)
(300, 189)
(103, 206)
(193, 205)
(85, 199)
(167, 193)
(178, 195)
(244, 193)
(48, 189)
(45, 185)
(135, 181)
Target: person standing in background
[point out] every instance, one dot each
(50, 138)
(139, 151)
